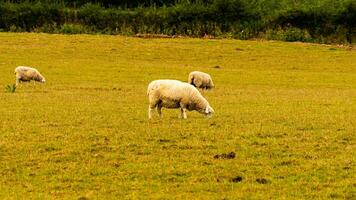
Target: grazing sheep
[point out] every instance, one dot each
(27, 74)
(200, 80)
(176, 94)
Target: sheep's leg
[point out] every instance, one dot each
(183, 113)
(159, 110)
(17, 81)
(150, 112)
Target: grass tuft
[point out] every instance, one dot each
(10, 88)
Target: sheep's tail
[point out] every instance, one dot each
(191, 80)
(149, 88)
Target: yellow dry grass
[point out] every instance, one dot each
(286, 109)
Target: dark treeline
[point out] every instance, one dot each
(114, 3)
(291, 20)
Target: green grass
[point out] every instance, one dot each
(10, 88)
(286, 109)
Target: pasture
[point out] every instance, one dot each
(287, 110)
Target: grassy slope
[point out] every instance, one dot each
(286, 109)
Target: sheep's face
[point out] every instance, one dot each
(43, 80)
(209, 111)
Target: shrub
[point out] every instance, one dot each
(296, 34)
(72, 29)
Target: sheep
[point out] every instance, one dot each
(200, 80)
(24, 73)
(176, 94)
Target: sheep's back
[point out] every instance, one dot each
(26, 70)
(170, 89)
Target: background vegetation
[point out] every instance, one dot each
(287, 110)
(291, 20)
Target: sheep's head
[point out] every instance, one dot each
(210, 85)
(209, 111)
(38, 77)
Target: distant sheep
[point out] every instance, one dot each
(200, 80)
(176, 94)
(27, 74)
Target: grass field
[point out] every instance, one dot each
(286, 109)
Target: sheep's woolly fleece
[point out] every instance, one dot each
(24, 73)
(176, 94)
(200, 80)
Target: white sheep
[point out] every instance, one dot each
(24, 73)
(200, 80)
(176, 94)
